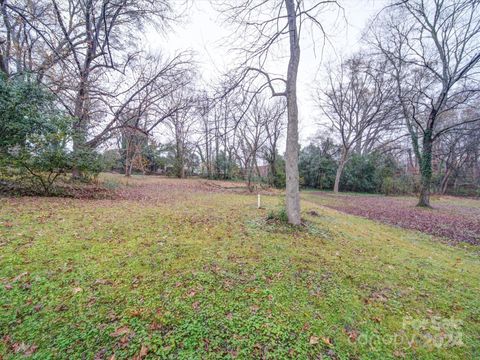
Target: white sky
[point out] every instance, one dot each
(202, 31)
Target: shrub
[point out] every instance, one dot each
(279, 215)
(279, 180)
(360, 174)
(88, 162)
(33, 135)
(399, 185)
(317, 168)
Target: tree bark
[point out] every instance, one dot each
(341, 166)
(291, 155)
(180, 151)
(426, 169)
(80, 125)
(445, 180)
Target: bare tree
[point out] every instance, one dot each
(358, 104)
(253, 135)
(27, 38)
(274, 129)
(455, 151)
(181, 126)
(86, 53)
(265, 24)
(433, 48)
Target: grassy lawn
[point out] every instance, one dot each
(204, 275)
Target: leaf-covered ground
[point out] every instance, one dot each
(193, 273)
(455, 219)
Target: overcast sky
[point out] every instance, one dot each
(203, 31)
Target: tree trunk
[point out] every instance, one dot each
(180, 160)
(273, 168)
(79, 137)
(291, 155)
(446, 178)
(426, 170)
(80, 125)
(128, 170)
(127, 158)
(341, 166)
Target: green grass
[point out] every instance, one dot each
(209, 277)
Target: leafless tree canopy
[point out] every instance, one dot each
(86, 53)
(359, 104)
(267, 26)
(433, 51)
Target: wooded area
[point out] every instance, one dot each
(400, 116)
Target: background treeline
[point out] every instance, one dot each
(80, 95)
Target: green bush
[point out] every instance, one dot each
(24, 112)
(279, 180)
(279, 215)
(375, 173)
(361, 174)
(34, 137)
(317, 168)
(88, 162)
(399, 185)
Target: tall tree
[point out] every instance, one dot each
(274, 128)
(87, 53)
(358, 104)
(433, 48)
(265, 25)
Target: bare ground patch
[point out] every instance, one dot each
(162, 189)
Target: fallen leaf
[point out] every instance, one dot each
(143, 352)
(314, 340)
(155, 326)
(123, 342)
(77, 290)
(122, 330)
(136, 313)
(327, 341)
(100, 355)
(62, 307)
(102, 282)
(18, 277)
(24, 349)
(352, 334)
